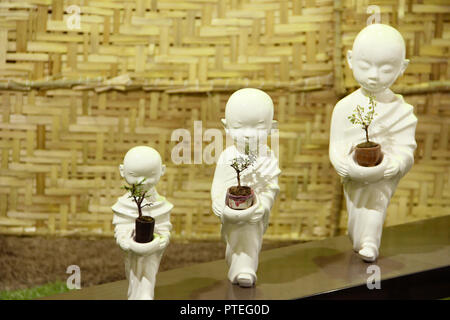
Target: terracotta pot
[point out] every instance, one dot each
(239, 202)
(368, 156)
(145, 226)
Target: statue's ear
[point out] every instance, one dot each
(274, 124)
(121, 170)
(163, 169)
(349, 58)
(404, 65)
(224, 123)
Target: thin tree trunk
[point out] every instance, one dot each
(366, 128)
(137, 204)
(139, 209)
(239, 178)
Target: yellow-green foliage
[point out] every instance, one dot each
(46, 290)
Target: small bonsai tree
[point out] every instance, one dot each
(364, 119)
(241, 163)
(138, 194)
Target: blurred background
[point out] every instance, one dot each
(82, 82)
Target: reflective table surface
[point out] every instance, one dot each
(302, 270)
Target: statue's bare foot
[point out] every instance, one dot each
(245, 280)
(368, 254)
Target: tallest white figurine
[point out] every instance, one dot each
(251, 168)
(377, 59)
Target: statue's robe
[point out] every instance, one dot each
(394, 129)
(244, 239)
(141, 270)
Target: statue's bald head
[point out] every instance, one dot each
(248, 103)
(379, 35)
(142, 158)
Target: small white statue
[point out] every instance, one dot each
(247, 164)
(377, 59)
(142, 168)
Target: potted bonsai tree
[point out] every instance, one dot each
(368, 153)
(241, 197)
(145, 225)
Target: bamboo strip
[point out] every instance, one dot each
(74, 101)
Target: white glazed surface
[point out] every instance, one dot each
(377, 59)
(142, 259)
(249, 115)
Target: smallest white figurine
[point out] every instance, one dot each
(142, 220)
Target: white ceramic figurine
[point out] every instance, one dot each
(369, 118)
(248, 165)
(142, 166)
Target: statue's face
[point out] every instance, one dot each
(249, 116)
(142, 163)
(136, 172)
(248, 123)
(377, 59)
(249, 128)
(375, 68)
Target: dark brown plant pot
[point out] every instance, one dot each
(368, 154)
(239, 198)
(145, 226)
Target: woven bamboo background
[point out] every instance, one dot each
(74, 101)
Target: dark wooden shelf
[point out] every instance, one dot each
(414, 263)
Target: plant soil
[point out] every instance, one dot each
(240, 190)
(26, 262)
(369, 144)
(146, 219)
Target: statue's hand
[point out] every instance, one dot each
(392, 169)
(236, 216)
(124, 239)
(146, 249)
(341, 166)
(367, 174)
(163, 242)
